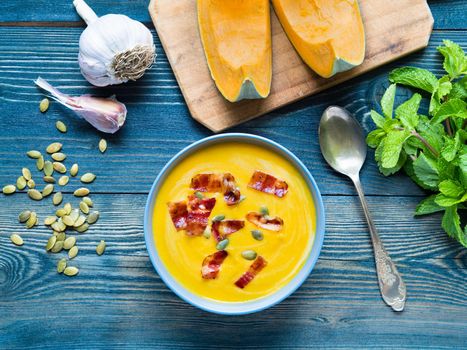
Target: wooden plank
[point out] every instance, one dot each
(118, 300)
(158, 124)
(388, 36)
(448, 14)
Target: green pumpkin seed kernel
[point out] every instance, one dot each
(67, 208)
(63, 180)
(249, 254)
(58, 247)
(93, 217)
(24, 216)
(199, 195)
(49, 220)
(34, 194)
(32, 220)
(21, 183)
(100, 249)
(48, 168)
(40, 163)
(49, 179)
(31, 184)
(26, 173)
(9, 189)
(80, 221)
(59, 167)
(67, 220)
(61, 236)
(81, 192)
(57, 198)
(71, 271)
(50, 243)
(48, 189)
(88, 178)
(59, 157)
(61, 126)
(88, 201)
(61, 265)
(222, 244)
(44, 105)
(69, 242)
(257, 234)
(264, 210)
(54, 148)
(74, 170)
(83, 228)
(84, 207)
(218, 218)
(16, 239)
(102, 145)
(33, 154)
(73, 252)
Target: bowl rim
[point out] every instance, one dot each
(255, 305)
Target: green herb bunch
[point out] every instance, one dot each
(431, 149)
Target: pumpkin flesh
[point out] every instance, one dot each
(327, 34)
(236, 37)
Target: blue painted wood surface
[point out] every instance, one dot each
(118, 301)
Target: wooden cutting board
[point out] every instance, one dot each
(393, 28)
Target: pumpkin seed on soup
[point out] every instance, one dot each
(218, 218)
(16, 239)
(199, 195)
(257, 234)
(249, 254)
(264, 210)
(9, 189)
(222, 244)
(61, 126)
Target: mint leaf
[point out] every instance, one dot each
(415, 77)
(425, 169)
(459, 89)
(374, 138)
(428, 206)
(387, 101)
(446, 201)
(389, 171)
(392, 147)
(444, 87)
(377, 118)
(451, 188)
(463, 168)
(451, 147)
(407, 112)
(455, 62)
(451, 224)
(452, 108)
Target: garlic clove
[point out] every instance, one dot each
(105, 114)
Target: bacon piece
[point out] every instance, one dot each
(212, 264)
(178, 212)
(265, 221)
(268, 184)
(197, 218)
(224, 183)
(223, 228)
(251, 273)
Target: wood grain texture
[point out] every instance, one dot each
(447, 14)
(388, 37)
(158, 123)
(118, 301)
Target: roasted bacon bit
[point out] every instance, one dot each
(224, 183)
(179, 213)
(221, 229)
(212, 264)
(253, 270)
(265, 221)
(199, 210)
(268, 184)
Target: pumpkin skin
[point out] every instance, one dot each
(236, 37)
(327, 34)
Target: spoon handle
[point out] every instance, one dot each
(391, 285)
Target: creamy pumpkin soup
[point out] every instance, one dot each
(234, 222)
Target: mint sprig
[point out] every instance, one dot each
(431, 149)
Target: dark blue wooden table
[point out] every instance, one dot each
(117, 300)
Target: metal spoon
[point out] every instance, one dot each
(343, 146)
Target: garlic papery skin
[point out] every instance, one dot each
(113, 49)
(105, 114)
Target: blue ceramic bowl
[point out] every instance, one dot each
(234, 308)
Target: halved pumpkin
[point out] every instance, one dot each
(236, 36)
(327, 34)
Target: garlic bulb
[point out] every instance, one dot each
(105, 114)
(113, 49)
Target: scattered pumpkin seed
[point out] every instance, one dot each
(58, 247)
(50, 243)
(74, 215)
(9, 189)
(31, 183)
(88, 201)
(57, 198)
(102, 145)
(67, 220)
(249, 254)
(61, 265)
(199, 195)
(48, 189)
(61, 236)
(26, 174)
(60, 212)
(63, 180)
(264, 210)
(59, 156)
(49, 179)
(71, 271)
(74, 170)
(44, 105)
(16, 239)
(84, 207)
(88, 178)
(54, 147)
(24, 216)
(48, 168)
(80, 221)
(67, 208)
(32, 220)
(93, 217)
(206, 233)
(58, 226)
(218, 218)
(59, 167)
(257, 234)
(81, 192)
(33, 154)
(69, 243)
(83, 228)
(40, 163)
(34, 194)
(60, 126)
(222, 244)
(73, 252)
(49, 220)
(21, 183)
(242, 198)
(100, 249)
